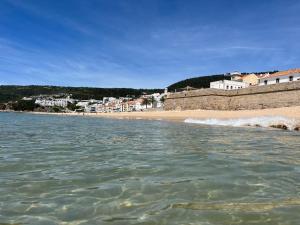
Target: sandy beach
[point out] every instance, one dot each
(289, 112)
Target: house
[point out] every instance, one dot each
(228, 84)
(236, 82)
(251, 79)
(83, 103)
(235, 75)
(280, 77)
(140, 104)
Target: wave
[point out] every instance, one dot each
(262, 121)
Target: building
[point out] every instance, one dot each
(235, 75)
(228, 84)
(280, 77)
(61, 102)
(236, 82)
(83, 103)
(27, 98)
(251, 79)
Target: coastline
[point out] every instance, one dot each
(288, 112)
(286, 118)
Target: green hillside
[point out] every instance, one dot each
(197, 82)
(15, 92)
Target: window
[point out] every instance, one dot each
(227, 87)
(291, 78)
(230, 87)
(277, 80)
(266, 82)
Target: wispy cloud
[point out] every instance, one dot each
(67, 22)
(142, 43)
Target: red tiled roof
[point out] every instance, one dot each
(280, 73)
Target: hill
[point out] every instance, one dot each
(15, 92)
(197, 82)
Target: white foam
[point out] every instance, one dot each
(263, 121)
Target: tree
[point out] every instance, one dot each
(162, 99)
(72, 106)
(145, 102)
(24, 105)
(57, 109)
(153, 101)
(2, 106)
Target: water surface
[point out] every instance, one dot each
(78, 170)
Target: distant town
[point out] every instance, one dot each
(105, 105)
(65, 103)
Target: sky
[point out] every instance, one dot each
(143, 43)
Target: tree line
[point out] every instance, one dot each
(15, 92)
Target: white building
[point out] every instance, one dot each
(139, 106)
(83, 103)
(228, 84)
(27, 98)
(62, 102)
(108, 99)
(280, 77)
(158, 99)
(96, 107)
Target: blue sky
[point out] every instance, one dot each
(143, 43)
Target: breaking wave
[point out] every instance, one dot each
(263, 121)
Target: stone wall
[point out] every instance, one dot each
(256, 97)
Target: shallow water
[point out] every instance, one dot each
(77, 170)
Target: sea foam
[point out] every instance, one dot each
(262, 121)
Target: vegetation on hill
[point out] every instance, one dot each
(15, 92)
(257, 73)
(22, 105)
(197, 82)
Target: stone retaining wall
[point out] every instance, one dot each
(256, 97)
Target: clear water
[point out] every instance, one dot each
(78, 170)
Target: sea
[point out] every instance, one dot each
(84, 170)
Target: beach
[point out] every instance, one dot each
(288, 112)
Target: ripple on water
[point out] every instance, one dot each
(76, 170)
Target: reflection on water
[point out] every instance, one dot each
(75, 170)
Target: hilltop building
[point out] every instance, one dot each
(251, 79)
(239, 80)
(228, 84)
(236, 82)
(279, 77)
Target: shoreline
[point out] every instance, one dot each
(288, 112)
(286, 118)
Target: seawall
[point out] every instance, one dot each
(256, 97)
